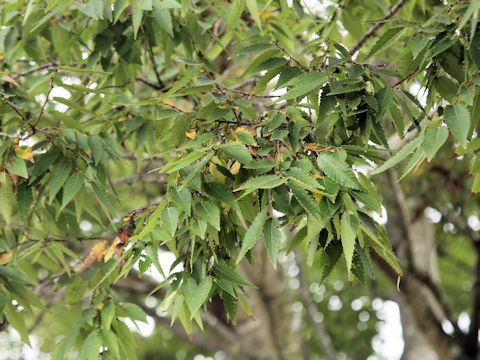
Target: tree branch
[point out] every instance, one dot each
(129, 180)
(373, 30)
(320, 332)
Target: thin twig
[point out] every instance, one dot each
(35, 69)
(406, 78)
(148, 83)
(33, 126)
(373, 30)
(304, 68)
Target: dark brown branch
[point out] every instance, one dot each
(373, 30)
(33, 126)
(148, 83)
(406, 78)
(304, 68)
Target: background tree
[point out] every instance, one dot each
(257, 143)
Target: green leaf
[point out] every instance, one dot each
(196, 295)
(252, 234)
(18, 167)
(260, 182)
(303, 89)
(457, 118)
(384, 98)
(221, 193)
(134, 312)
(173, 166)
(348, 239)
(397, 118)
(434, 139)
(253, 9)
(72, 187)
(108, 314)
(304, 179)
(307, 202)
(386, 38)
(7, 199)
(238, 152)
(110, 340)
(337, 171)
(96, 146)
(474, 48)
(272, 237)
(209, 212)
(182, 197)
(17, 320)
(68, 341)
(235, 11)
(24, 200)
(170, 219)
(226, 272)
(399, 156)
(59, 176)
(91, 347)
(102, 198)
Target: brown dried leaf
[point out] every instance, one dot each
(96, 253)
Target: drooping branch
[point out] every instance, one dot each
(373, 30)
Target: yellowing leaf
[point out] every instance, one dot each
(214, 171)
(191, 134)
(235, 168)
(5, 258)
(264, 15)
(318, 197)
(25, 153)
(96, 253)
(126, 218)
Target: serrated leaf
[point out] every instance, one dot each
(347, 236)
(397, 118)
(261, 182)
(386, 38)
(96, 146)
(59, 176)
(72, 187)
(182, 197)
(306, 201)
(399, 156)
(303, 179)
(68, 341)
(107, 314)
(91, 347)
(272, 237)
(234, 14)
(24, 200)
(209, 212)
(434, 139)
(457, 118)
(17, 321)
(18, 167)
(238, 152)
(110, 340)
(303, 89)
(253, 9)
(181, 163)
(134, 312)
(221, 193)
(252, 234)
(337, 171)
(196, 295)
(226, 272)
(170, 219)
